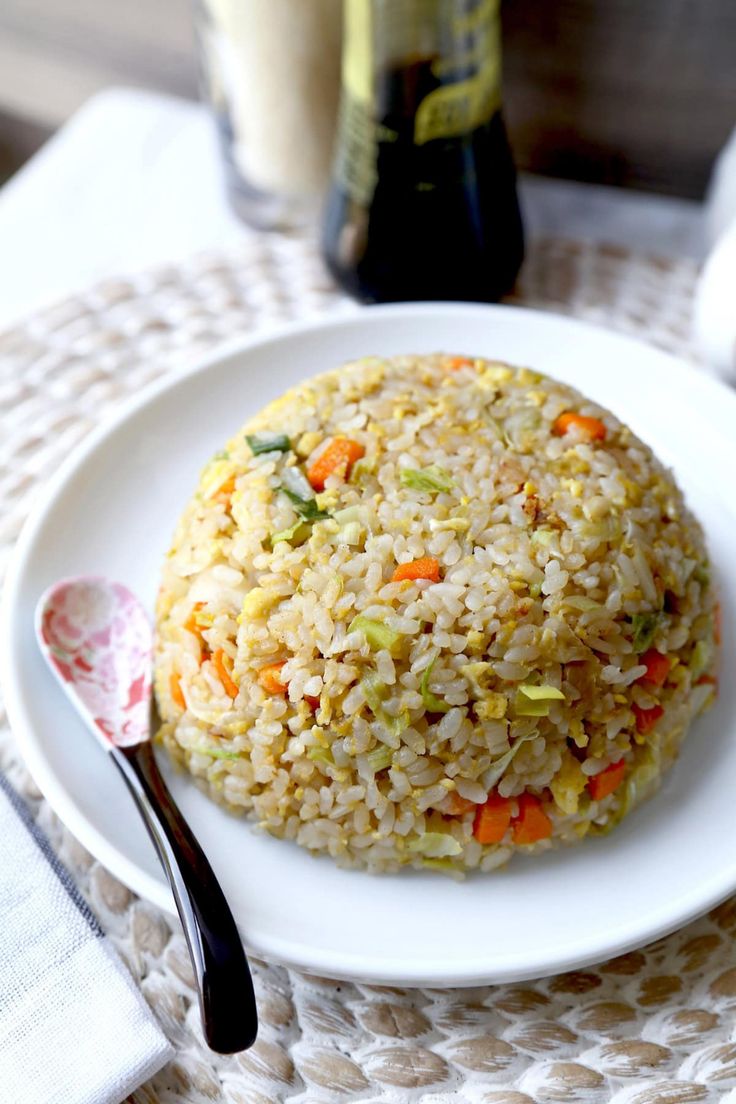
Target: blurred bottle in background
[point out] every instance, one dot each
(423, 203)
(271, 69)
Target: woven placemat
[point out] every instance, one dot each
(651, 1027)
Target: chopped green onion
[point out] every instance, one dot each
(432, 478)
(267, 442)
(535, 589)
(307, 509)
(432, 703)
(377, 635)
(645, 627)
(435, 845)
(496, 771)
(295, 534)
(380, 758)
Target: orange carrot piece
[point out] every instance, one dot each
(455, 805)
(592, 429)
(706, 679)
(492, 819)
(454, 364)
(646, 719)
(220, 660)
(225, 491)
(657, 667)
(312, 702)
(270, 680)
(424, 568)
(176, 692)
(340, 454)
(603, 784)
(191, 623)
(532, 823)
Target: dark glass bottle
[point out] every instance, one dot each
(423, 200)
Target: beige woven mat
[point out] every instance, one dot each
(651, 1027)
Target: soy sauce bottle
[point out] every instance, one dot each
(423, 200)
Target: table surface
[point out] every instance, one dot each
(134, 180)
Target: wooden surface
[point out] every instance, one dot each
(633, 92)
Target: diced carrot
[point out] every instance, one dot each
(312, 702)
(455, 805)
(492, 819)
(225, 491)
(592, 429)
(532, 823)
(425, 568)
(340, 455)
(603, 784)
(270, 679)
(706, 679)
(454, 364)
(657, 667)
(176, 692)
(191, 623)
(221, 661)
(646, 719)
(717, 623)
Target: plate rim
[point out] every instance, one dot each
(293, 953)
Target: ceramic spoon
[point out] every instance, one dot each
(97, 640)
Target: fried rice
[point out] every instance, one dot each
(432, 610)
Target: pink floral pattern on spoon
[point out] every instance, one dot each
(98, 639)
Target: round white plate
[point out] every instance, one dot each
(111, 510)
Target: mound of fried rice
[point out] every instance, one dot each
(529, 689)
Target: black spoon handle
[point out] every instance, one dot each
(226, 999)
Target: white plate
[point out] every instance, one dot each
(111, 510)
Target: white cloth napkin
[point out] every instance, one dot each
(73, 1027)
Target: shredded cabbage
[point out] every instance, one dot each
(295, 534)
(366, 465)
(377, 635)
(375, 692)
(380, 758)
(435, 845)
(534, 701)
(498, 768)
(217, 753)
(543, 537)
(432, 703)
(700, 659)
(541, 693)
(321, 755)
(295, 481)
(432, 478)
(267, 442)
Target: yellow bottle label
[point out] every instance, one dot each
(451, 109)
(462, 106)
